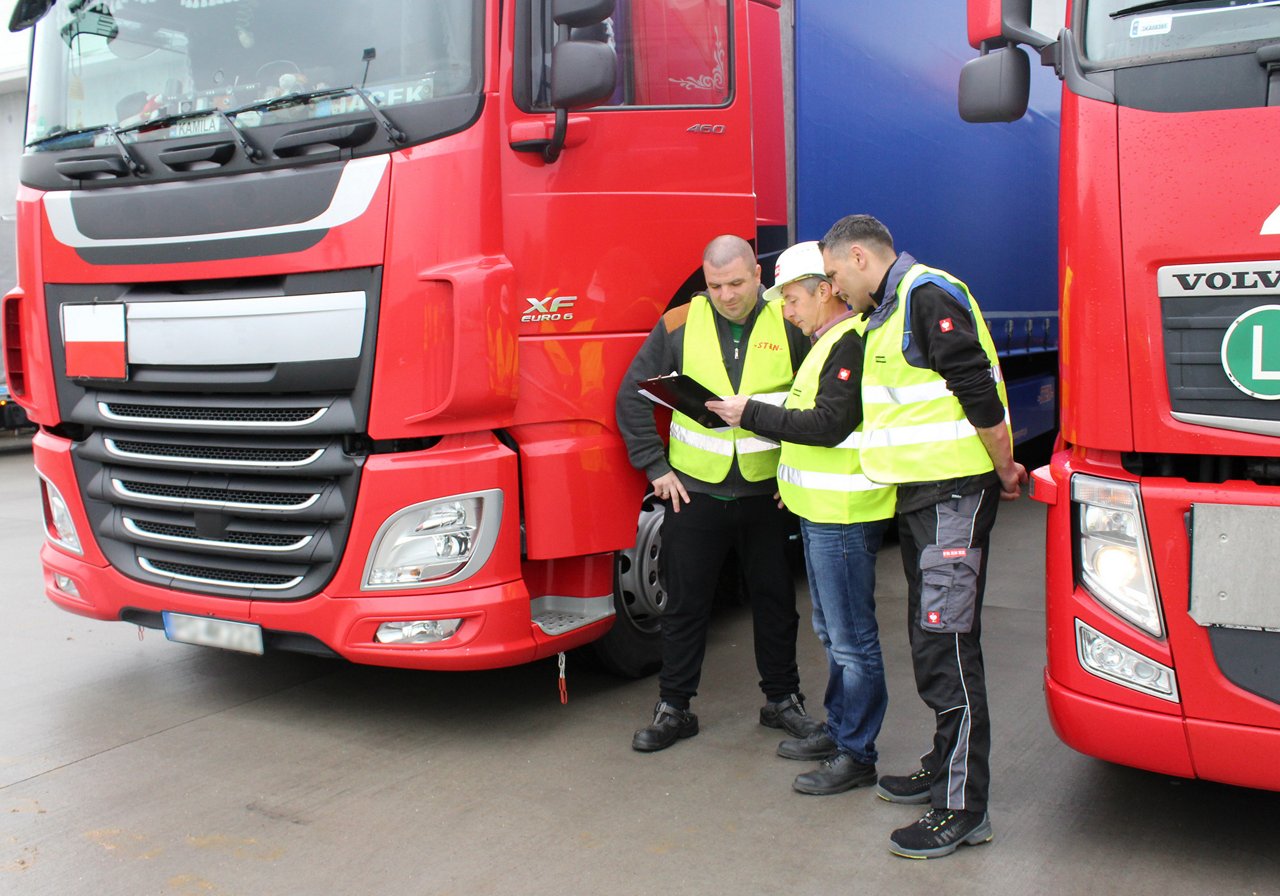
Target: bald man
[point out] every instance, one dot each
(719, 486)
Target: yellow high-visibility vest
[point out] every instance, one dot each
(708, 454)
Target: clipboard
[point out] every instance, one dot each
(684, 394)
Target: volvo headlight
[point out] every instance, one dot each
(1114, 557)
(435, 542)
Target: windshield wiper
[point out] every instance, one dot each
(306, 96)
(1169, 4)
(135, 166)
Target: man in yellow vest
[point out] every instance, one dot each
(935, 421)
(718, 485)
(843, 517)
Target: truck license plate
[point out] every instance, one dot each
(207, 632)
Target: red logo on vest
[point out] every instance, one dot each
(945, 325)
(934, 617)
(844, 374)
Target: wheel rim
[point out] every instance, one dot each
(642, 596)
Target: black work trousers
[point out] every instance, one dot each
(944, 555)
(695, 543)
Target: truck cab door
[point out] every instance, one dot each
(645, 177)
(606, 236)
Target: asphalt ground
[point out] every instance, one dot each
(131, 765)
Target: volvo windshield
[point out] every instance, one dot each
(148, 68)
(1125, 31)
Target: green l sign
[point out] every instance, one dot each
(1251, 352)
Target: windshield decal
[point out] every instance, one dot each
(1150, 26)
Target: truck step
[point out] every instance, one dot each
(557, 615)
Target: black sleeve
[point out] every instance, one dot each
(837, 406)
(945, 331)
(634, 412)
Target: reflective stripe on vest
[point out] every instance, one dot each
(708, 454)
(827, 485)
(915, 429)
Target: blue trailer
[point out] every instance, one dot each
(877, 131)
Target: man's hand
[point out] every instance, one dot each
(669, 486)
(1000, 449)
(1011, 481)
(729, 409)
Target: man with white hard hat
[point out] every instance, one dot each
(843, 517)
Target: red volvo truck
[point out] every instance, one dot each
(322, 308)
(1164, 494)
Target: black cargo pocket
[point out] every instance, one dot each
(949, 588)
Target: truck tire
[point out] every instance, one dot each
(633, 647)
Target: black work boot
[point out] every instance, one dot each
(789, 715)
(835, 775)
(669, 725)
(939, 833)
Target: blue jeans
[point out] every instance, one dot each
(841, 560)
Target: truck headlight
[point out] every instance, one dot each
(58, 525)
(1114, 558)
(435, 542)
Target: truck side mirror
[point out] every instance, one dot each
(583, 72)
(581, 13)
(996, 86)
(27, 12)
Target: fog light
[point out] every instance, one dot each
(65, 585)
(58, 525)
(1109, 659)
(421, 631)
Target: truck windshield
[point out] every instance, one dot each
(1129, 32)
(100, 66)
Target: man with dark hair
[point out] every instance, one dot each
(936, 425)
(719, 486)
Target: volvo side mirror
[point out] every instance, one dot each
(996, 86)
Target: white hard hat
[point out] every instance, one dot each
(800, 261)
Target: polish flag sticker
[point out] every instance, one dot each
(94, 339)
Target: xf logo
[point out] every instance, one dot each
(549, 308)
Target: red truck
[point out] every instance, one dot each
(322, 308)
(1164, 492)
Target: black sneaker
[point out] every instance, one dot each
(789, 715)
(669, 725)
(912, 788)
(835, 775)
(818, 745)
(939, 833)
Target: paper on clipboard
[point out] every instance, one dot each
(684, 394)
